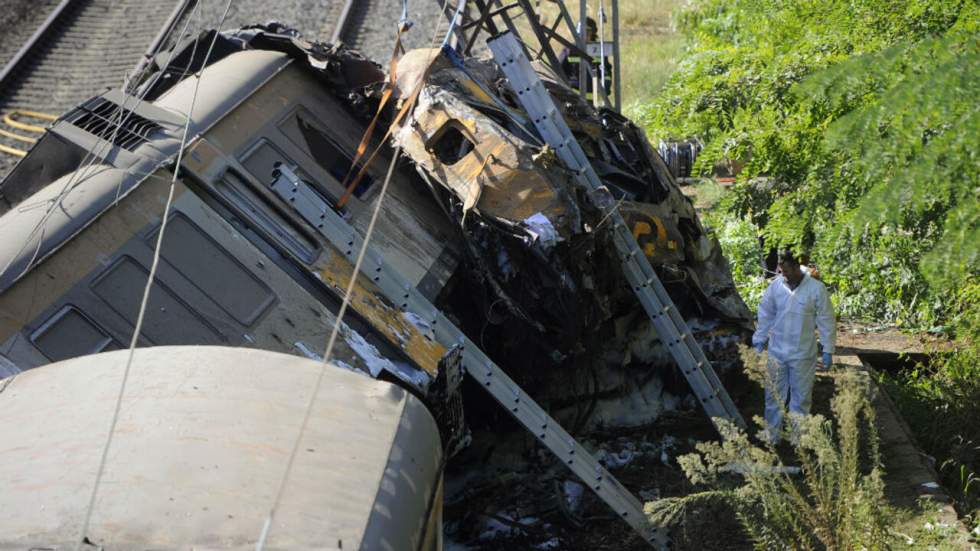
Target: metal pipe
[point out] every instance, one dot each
(460, 4)
(617, 76)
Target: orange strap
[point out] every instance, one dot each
(398, 118)
(385, 96)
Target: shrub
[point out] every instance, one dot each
(861, 121)
(941, 401)
(839, 502)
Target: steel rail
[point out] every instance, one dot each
(33, 41)
(168, 26)
(341, 27)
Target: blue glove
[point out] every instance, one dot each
(828, 359)
(760, 347)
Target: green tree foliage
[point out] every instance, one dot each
(858, 127)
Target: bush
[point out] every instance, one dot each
(861, 122)
(941, 402)
(838, 504)
(739, 240)
(857, 128)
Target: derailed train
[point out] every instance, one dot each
(479, 217)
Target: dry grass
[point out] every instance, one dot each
(650, 45)
(650, 49)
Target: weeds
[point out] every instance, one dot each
(837, 504)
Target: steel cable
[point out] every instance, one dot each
(334, 332)
(83, 539)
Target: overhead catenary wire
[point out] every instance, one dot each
(83, 538)
(335, 330)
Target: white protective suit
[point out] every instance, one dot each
(788, 321)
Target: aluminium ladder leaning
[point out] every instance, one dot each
(670, 326)
(474, 362)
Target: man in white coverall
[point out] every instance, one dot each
(793, 309)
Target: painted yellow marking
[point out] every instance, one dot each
(387, 319)
(642, 228)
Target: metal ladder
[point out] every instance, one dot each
(474, 362)
(670, 326)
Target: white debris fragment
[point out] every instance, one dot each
(573, 492)
(507, 526)
(307, 351)
(416, 320)
(930, 485)
(375, 362)
(619, 459)
(543, 231)
(553, 543)
(420, 323)
(641, 406)
(409, 374)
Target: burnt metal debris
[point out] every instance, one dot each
(486, 244)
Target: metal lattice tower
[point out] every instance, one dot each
(579, 51)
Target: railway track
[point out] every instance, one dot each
(82, 47)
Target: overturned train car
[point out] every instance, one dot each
(478, 216)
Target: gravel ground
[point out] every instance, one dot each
(18, 19)
(371, 28)
(88, 51)
(313, 18)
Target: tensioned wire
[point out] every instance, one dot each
(334, 332)
(83, 539)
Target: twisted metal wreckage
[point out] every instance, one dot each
(486, 243)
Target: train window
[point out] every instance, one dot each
(70, 333)
(269, 219)
(210, 268)
(168, 320)
(261, 160)
(307, 133)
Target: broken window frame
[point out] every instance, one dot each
(451, 125)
